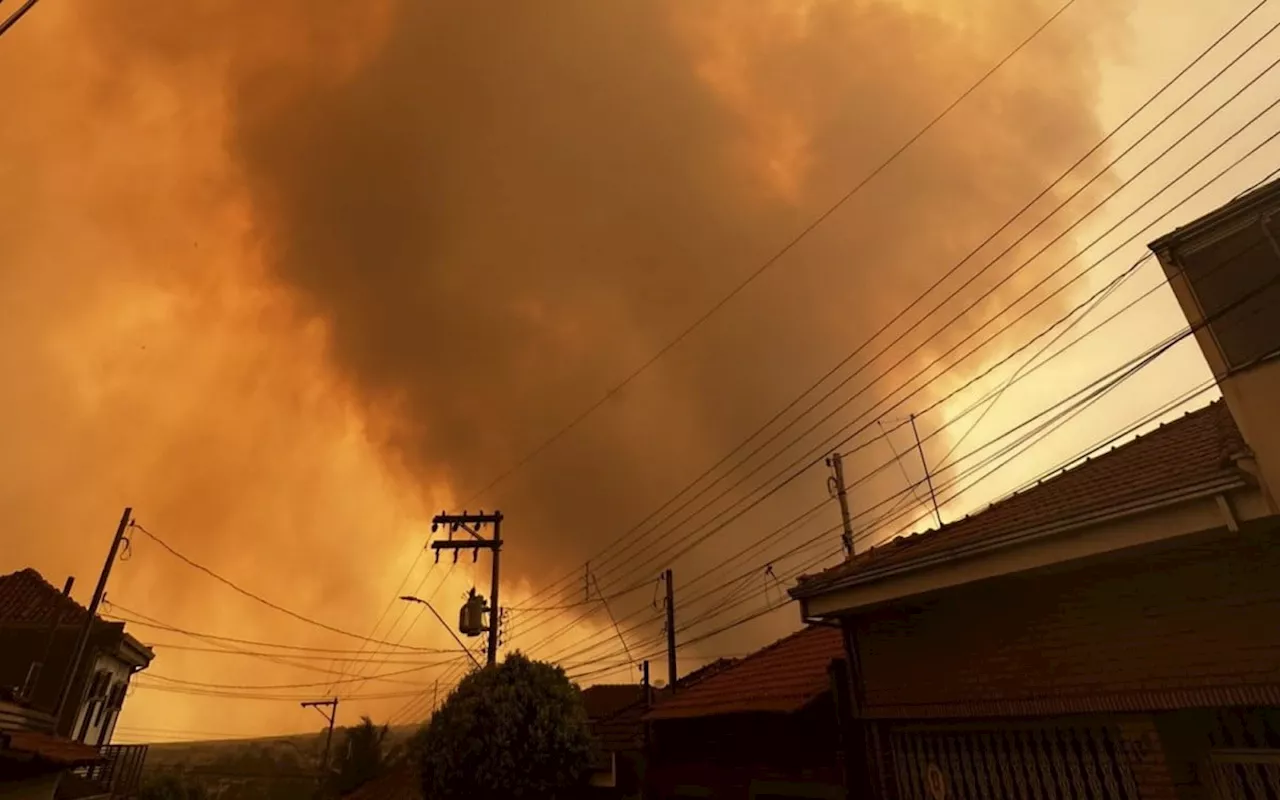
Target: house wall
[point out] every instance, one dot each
(1181, 625)
(748, 756)
(21, 645)
(96, 720)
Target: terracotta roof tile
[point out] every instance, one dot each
(606, 699)
(26, 597)
(1196, 450)
(784, 677)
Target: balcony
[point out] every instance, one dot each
(119, 772)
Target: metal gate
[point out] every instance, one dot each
(1244, 762)
(1043, 763)
(1246, 774)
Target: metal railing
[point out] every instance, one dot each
(120, 770)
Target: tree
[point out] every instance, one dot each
(515, 730)
(360, 756)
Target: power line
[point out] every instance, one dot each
(232, 695)
(773, 259)
(150, 622)
(272, 687)
(1123, 373)
(768, 263)
(633, 541)
(253, 596)
(297, 656)
(972, 306)
(1134, 364)
(1146, 419)
(1028, 439)
(799, 466)
(360, 667)
(423, 608)
(1073, 404)
(15, 16)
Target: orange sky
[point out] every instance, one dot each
(290, 277)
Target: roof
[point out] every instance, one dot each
(1198, 450)
(1251, 201)
(399, 783)
(47, 747)
(27, 598)
(783, 677)
(705, 671)
(616, 711)
(606, 699)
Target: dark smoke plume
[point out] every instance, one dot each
(444, 229)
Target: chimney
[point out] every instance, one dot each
(66, 587)
(1224, 269)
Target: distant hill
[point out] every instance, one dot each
(269, 768)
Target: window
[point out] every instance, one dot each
(114, 699)
(93, 700)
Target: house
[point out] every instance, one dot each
(35, 762)
(1110, 632)
(615, 712)
(764, 726)
(39, 628)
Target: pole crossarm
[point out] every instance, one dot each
(463, 544)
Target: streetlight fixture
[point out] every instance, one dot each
(408, 598)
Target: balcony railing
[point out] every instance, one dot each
(120, 770)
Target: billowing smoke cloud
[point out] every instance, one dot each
(288, 277)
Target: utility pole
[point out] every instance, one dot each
(836, 484)
(646, 725)
(471, 523)
(328, 739)
(86, 630)
(671, 630)
(925, 464)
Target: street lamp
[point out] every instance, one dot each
(408, 598)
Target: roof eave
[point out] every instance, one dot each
(1246, 204)
(817, 587)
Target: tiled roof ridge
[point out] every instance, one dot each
(767, 649)
(1110, 452)
(705, 672)
(1099, 456)
(1217, 445)
(42, 595)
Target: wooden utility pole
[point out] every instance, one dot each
(328, 739)
(86, 630)
(471, 523)
(671, 630)
(928, 478)
(836, 483)
(646, 725)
